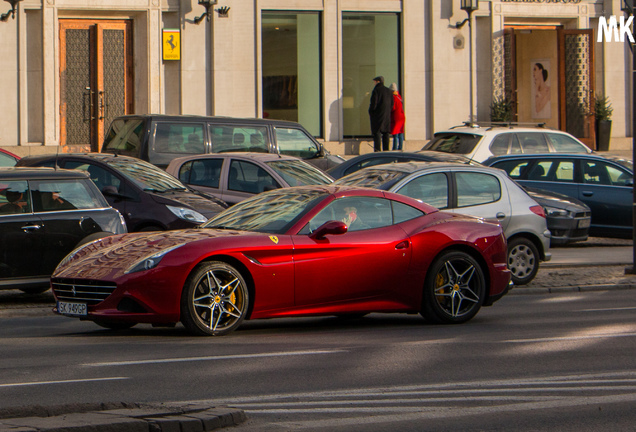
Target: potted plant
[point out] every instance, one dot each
(603, 112)
(501, 110)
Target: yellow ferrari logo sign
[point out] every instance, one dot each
(274, 239)
(171, 44)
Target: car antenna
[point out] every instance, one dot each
(57, 152)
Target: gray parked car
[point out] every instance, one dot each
(473, 190)
(234, 177)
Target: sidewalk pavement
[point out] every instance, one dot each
(119, 417)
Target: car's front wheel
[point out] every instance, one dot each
(215, 299)
(523, 260)
(454, 290)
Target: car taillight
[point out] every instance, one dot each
(538, 210)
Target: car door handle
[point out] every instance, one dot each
(587, 193)
(500, 215)
(27, 228)
(402, 245)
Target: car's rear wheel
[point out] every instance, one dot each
(215, 299)
(454, 290)
(523, 260)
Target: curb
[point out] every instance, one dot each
(569, 289)
(120, 417)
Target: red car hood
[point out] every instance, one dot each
(113, 255)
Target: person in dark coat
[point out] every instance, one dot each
(380, 114)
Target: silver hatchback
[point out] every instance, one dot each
(474, 190)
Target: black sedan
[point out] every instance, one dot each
(147, 197)
(379, 158)
(44, 215)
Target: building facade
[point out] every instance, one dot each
(70, 66)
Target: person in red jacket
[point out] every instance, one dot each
(397, 119)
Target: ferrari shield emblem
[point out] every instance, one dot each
(274, 239)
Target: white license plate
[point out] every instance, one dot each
(72, 309)
(584, 223)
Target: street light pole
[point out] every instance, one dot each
(469, 6)
(628, 8)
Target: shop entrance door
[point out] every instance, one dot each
(563, 60)
(95, 79)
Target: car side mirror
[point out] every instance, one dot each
(630, 182)
(332, 227)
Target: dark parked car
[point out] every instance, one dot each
(603, 182)
(148, 197)
(379, 158)
(8, 159)
(233, 177)
(44, 215)
(160, 138)
(310, 250)
(568, 218)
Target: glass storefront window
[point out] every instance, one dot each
(370, 47)
(292, 68)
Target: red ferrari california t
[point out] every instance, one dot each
(302, 251)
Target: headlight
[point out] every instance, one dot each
(150, 261)
(187, 214)
(553, 211)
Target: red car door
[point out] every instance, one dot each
(370, 261)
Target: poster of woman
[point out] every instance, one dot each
(541, 90)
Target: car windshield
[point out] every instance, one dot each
(146, 176)
(272, 212)
(372, 177)
(453, 142)
(299, 173)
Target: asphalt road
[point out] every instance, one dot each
(530, 362)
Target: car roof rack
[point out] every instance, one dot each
(491, 125)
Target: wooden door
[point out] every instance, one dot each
(96, 79)
(576, 84)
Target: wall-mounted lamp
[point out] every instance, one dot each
(205, 3)
(224, 12)
(14, 4)
(469, 6)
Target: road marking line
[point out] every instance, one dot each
(213, 358)
(62, 382)
(570, 338)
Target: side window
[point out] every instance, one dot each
(619, 177)
(294, 142)
(533, 142)
(499, 146)
(55, 195)
(562, 171)
(403, 212)
(541, 171)
(202, 172)
(595, 173)
(125, 136)
(516, 169)
(476, 189)
(430, 188)
(14, 198)
(99, 175)
(179, 138)
(565, 143)
(359, 213)
(248, 177)
(229, 138)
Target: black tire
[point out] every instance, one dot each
(215, 299)
(454, 290)
(523, 260)
(115, 325)
(149, 228)
(93, 237)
